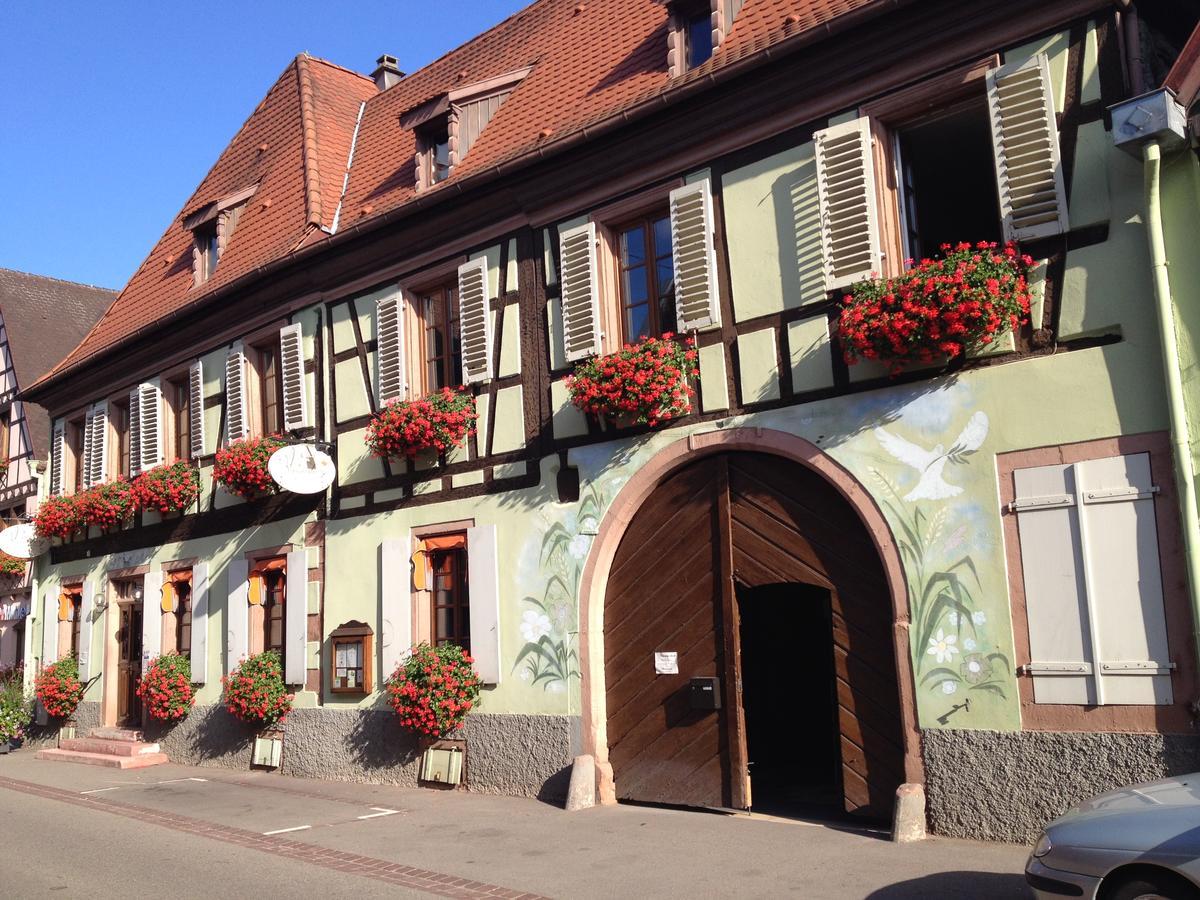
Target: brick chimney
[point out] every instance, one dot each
(387, 72)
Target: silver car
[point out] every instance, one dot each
(1137, 842)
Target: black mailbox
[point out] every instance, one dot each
(705, 693)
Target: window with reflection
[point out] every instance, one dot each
(647, 278)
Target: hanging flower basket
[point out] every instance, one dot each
(59, 689)
(255, 692)
(167, 489)
(57, 517)
(965, 300)
(433, 690)
(439, 422)
(106, 505)
(166, 687)
(10, 565)
(242, 466)
(647, 383)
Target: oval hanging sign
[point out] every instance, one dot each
(302, 469)
(22, 541)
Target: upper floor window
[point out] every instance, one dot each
(212, 226)
(451, 613)
(270, 389)
(5, 437)
(178, 404)
(697, 34)
(647, 281)
(433, 153)
(120, 425)
(74, 453)
(441, 356)
(208, 252)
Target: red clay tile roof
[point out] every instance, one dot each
(1184, 77)
(592, 60)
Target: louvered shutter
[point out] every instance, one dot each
(199, 654)
(152, 588)
(237, 613)
(56, 460)
(395, 602)
(150, 442)
(295, 397)
(1029, 175)
(85, 457)
(295, 618)
(237, 425)
(475, 321)
(582, 334)
(135, 433)
(95, 453)
(86, 606)
(697, 301)
(389, 352)
(196, 408)
(483, 579)
(850, 242)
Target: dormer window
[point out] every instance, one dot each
(697, 29)
(212, 226)
(208, 251)
(697, 37)
(433, 152)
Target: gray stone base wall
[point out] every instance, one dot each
(87, 717)
(1004, 786)
(525, 756)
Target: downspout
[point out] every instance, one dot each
(1180, 439)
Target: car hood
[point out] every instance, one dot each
(1157, 815)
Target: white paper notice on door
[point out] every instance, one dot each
(666, 662)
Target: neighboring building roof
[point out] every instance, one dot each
(45, 319)
(591, 62)
(1184, 77)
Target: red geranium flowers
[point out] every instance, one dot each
(255, 692)
(167, 489)
(965, 300)
(439, 422)
(433, 690)
(647, 381)
(166, 688)
(242, 466)
(58, 687)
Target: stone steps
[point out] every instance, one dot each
(107, 745)
(117, 734)
(107, 760)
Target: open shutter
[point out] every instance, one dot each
(86, 606)
(95, 445)
(389, 352)
(85, 456)
(697, 301)
(150, 443)
(196, 408)
(295, 397)
(1029, 174)
(58, 451)
(237, 613)
(295, 619)
(49, 628)
(483, 578)
(199, 654)
(152, 588)
(395, 602)
(582, 334)
(237, 425)
(135, 433)
(475, 321)
(850, 243)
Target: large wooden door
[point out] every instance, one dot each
(129, 663)
(741, 519)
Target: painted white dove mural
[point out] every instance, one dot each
(930, 463)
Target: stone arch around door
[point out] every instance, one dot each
(595, 576)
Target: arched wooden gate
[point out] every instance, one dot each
(727, 522)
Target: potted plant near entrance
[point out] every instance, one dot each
(255, 694)
(166, 687)
(15, 708)
(59, 690)
(432, 692)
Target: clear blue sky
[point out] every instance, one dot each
(112, 112)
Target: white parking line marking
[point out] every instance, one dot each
(286, 830)
(177, 780)
(100, 790)
(380, 811)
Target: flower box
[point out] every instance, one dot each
(167, 489)
(106, 505)
(963, 301)
(57, 517)
(645, 383)
(241, 468)
(12, 567)
(437, 423)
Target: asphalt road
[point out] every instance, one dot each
(174, 831)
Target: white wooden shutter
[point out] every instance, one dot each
(582, 332)
(135, 433)
(1093, 586)
(58, 452)
(49, 628)
(295, 619)
(85, 456)
(389, 350)
(150, 437)
(295, 397)
(237, 423)
(237, 613)
(483, 578)
(1029, 174)
(475, 321)
(395, 602)
(697, 299)
(196, 408)
(850, 242)
(95, 443)
(86, 607)
(199, 654)
(152, 587)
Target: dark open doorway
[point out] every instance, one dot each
(789, 696)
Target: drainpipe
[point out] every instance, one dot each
(1180, 439)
